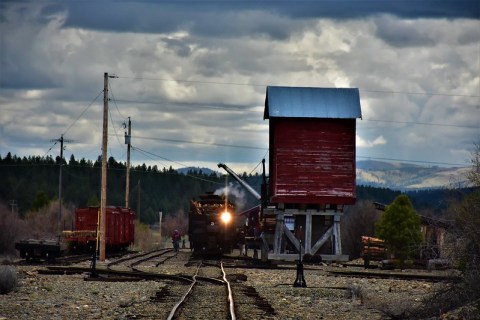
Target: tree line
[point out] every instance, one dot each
(29, 183)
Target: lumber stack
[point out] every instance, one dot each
(373, 249)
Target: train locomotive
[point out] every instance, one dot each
(212, 225)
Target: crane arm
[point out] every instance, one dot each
(243, 183)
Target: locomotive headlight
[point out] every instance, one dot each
(226, 217)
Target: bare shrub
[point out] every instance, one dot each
(10, 230)
(355, 292)
(45, 224)
(177, 222)
(8, 279)
(462, 298)
(358, 221)
(145, 238)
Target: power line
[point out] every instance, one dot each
(115, 102)
(265, 85)
(81, 114)
(184, 165)
(229, 108)
(414, 161)
(259, 162)
(114, 129)
(199, 143)
(423, 93)
(423, 123)
(71, 125)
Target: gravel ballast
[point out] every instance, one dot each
(327, 296)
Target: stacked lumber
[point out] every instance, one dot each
(79, 234)
(373, 248)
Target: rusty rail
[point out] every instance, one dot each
(231, 305)
(182, 300)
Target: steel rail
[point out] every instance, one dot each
(182, 300)
(136, 256)
(230, 295)
(136, 263)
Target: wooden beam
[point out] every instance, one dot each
(293, 240)
(322, 240)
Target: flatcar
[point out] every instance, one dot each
(119, 234)
(119, 229)
(212, 225)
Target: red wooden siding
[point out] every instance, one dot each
(119, 227)
(312, 160)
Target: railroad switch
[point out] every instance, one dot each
(300, 280)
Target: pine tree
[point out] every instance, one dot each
(399, 226)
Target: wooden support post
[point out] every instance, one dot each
(277, 243)
(337, 235)
(308, 233)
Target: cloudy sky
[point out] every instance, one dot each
(192, 76)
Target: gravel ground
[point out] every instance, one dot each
(326, 297)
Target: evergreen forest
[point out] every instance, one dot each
(29, 183)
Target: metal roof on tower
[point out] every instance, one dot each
(306, 102)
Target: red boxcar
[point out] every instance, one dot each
(119, 228)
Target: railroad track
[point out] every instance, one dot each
(208, 296)
(394, 275)
(147, 259)
(213, 294)
(201, 290)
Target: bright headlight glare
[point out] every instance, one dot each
(226, 217)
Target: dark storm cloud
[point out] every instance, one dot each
(224, 18)
(399, 33)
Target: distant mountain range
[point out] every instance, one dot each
(206, 171)
(407, 176)
(394, 175)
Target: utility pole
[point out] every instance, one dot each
(13, 204)
(61, 140)
(139, 197)
(128, 138)
(103, 196)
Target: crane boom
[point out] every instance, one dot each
(243, 183)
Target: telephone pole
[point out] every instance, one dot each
(128, 138)
(103, 196)
(61, 140)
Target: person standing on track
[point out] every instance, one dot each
(176, 240)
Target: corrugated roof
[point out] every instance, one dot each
(305, 102)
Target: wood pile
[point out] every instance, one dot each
(373, 249)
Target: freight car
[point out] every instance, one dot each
(119, 229)
(42, 249)
(119, 234)
(212, 225)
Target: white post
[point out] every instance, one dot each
(160, 213)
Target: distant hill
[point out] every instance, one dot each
(392, 175)
(198, 170)
(406, 176)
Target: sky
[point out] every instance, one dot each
(192, 76)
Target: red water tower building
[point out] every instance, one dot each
(312, 167)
